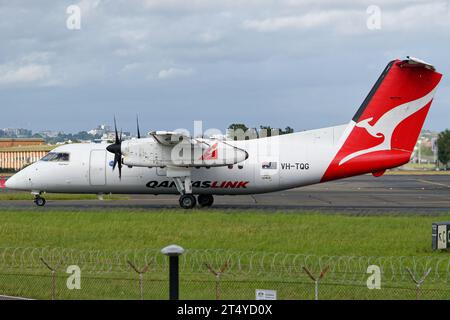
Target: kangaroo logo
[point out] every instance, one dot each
(385, 126)
(210, 153)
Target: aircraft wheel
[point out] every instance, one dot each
(39, 201)
(205, 200)
(187, 201)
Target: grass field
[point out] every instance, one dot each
(299, 232)
(259, 231)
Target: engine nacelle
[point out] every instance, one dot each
(148, 152)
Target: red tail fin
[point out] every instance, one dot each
(385, 129)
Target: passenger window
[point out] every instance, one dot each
(56, 157)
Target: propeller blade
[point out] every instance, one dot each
(120, 168)
(115, 148)
(115, 161)
(115, 130)
(137, 125)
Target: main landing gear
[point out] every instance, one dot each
(188, 201)
(182, 179)
(39, 201)
(205, 200)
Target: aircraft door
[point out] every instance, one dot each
(97, 172)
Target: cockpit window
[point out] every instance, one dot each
(56, 156)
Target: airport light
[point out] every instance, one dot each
(173, 252)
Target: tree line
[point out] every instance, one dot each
(443, 144)
(255, 133)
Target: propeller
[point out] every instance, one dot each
(137, 125)
(115, 148)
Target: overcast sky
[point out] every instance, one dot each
(306, 64)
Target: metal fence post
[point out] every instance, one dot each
(173, 252)
(141, 276)
(218, 274)
(418, 282)
(53, 271)
(316, 280)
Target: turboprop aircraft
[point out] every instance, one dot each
(381, 135)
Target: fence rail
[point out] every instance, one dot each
(218, 272)
(343, 268)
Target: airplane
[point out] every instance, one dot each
(381, 135)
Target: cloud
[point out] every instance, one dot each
(254, 56)
(352, 20)
(424, 16)
(130, 67)
(171, 73)
(305, 21)
(210, 36)
(30, 73)
(133, 36)
(88, 6)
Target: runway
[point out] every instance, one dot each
(415, 194)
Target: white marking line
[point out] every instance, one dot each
(435, 183)
(14, 298)
(135, 199)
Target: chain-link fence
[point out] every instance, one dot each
(44, 273)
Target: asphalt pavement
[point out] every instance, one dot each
(416, 194)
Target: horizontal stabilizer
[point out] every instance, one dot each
(415, 62)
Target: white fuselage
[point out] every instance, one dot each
(273, 163)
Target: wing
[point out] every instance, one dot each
(169, 138)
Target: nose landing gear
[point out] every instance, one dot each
(39, 201)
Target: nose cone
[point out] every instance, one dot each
(12, 182)
(19, 181)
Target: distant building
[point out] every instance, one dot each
(16, 132)
(16, 153)
(425, 150)
(100, 130)
(49, 133)
(111, 136)
(19, 142)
